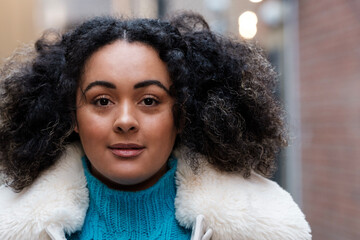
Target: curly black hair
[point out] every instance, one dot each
(233, 116)
(223, 90)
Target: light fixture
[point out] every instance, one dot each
(247, 24)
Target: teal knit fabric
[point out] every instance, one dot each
(147, 214)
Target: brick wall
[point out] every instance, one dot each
(329, 40)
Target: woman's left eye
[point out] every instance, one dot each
(149, 101)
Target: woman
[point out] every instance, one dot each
(142, 129)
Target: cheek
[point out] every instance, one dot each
(90, 126)
(161, 128)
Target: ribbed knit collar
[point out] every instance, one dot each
(134, 214)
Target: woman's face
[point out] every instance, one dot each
(124, 115)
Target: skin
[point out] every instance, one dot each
(123, 99)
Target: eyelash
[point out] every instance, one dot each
(97, 102)
(154, 101)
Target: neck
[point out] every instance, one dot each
(131, 187)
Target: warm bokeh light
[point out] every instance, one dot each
(247, 24)
(255, 1)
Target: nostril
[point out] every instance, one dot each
(126, 129)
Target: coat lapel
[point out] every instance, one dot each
(233, 207)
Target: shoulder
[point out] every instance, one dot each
(237, 208)
(58, 198)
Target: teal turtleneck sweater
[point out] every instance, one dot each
(147, 214)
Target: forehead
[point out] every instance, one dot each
(123, 60)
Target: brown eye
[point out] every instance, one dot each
(150, 101)
(102, 101)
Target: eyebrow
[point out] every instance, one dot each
(149, 83)
(100, 83)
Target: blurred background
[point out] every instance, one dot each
(314, 46)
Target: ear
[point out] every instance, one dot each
(179, 130)
(76, 129)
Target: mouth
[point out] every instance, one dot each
(126, 150)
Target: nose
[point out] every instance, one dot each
(125, 120)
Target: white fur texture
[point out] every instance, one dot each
(233, 207)
(57, 199)
(237, 208)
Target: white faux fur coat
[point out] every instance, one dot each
(233, 207)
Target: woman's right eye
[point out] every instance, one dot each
(102, 101)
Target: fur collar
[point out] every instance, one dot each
(233, 207)
(58, 200)
(237, 208)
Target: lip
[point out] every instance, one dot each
(126, 150)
